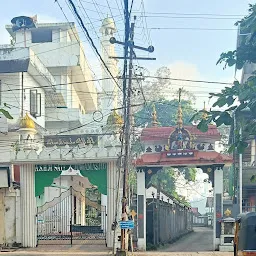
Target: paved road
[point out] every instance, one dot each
(199, 241)
(106, 254)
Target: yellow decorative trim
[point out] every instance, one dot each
(154, 116)
(227, 212)
(180, 116)
(204, 115)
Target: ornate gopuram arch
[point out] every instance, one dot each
(180, 146)
(94, 152)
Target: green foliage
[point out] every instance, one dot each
(239, 100)
(137, 147)
(155, 89)
(246, 51)
(190, 174)
(166, 113)
(166, 180)
(6, 112)
(132, 178)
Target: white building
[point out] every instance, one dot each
(47, 84)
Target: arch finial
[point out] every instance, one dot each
(154, 117)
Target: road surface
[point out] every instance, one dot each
(197, 243)
(106, 254)
(201, 240)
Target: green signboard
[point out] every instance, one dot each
(59, 167)
(95, 172)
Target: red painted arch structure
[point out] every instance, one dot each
(163, 148)
(181, 146)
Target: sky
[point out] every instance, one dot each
(184, 46)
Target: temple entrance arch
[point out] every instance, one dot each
(179, 147)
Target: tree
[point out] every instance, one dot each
(155, 89)
(166, 180)
(239, 100)
(166, 112)
(159, 87)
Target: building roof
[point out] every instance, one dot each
(163, 133)
(14, 66)
(199, 158)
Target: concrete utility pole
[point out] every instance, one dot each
(127, 89)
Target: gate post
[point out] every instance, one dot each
(104, 203)
(218, 206)
(71, 215)
(28, 205)
(141, 210)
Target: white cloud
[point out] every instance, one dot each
(189, 71)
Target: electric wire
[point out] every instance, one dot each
(78, 41)
(101, 46)
(90, 39)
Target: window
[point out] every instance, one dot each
(41, 36)
(35, 103)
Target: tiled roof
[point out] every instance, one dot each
(161, 133)
(199, 158)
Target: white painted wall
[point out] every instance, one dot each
(66, 88)
(60, 54)
(11, 95)
(7, 141)
(23, 39)
(154, 190)
(11, 231)
(78, 183)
